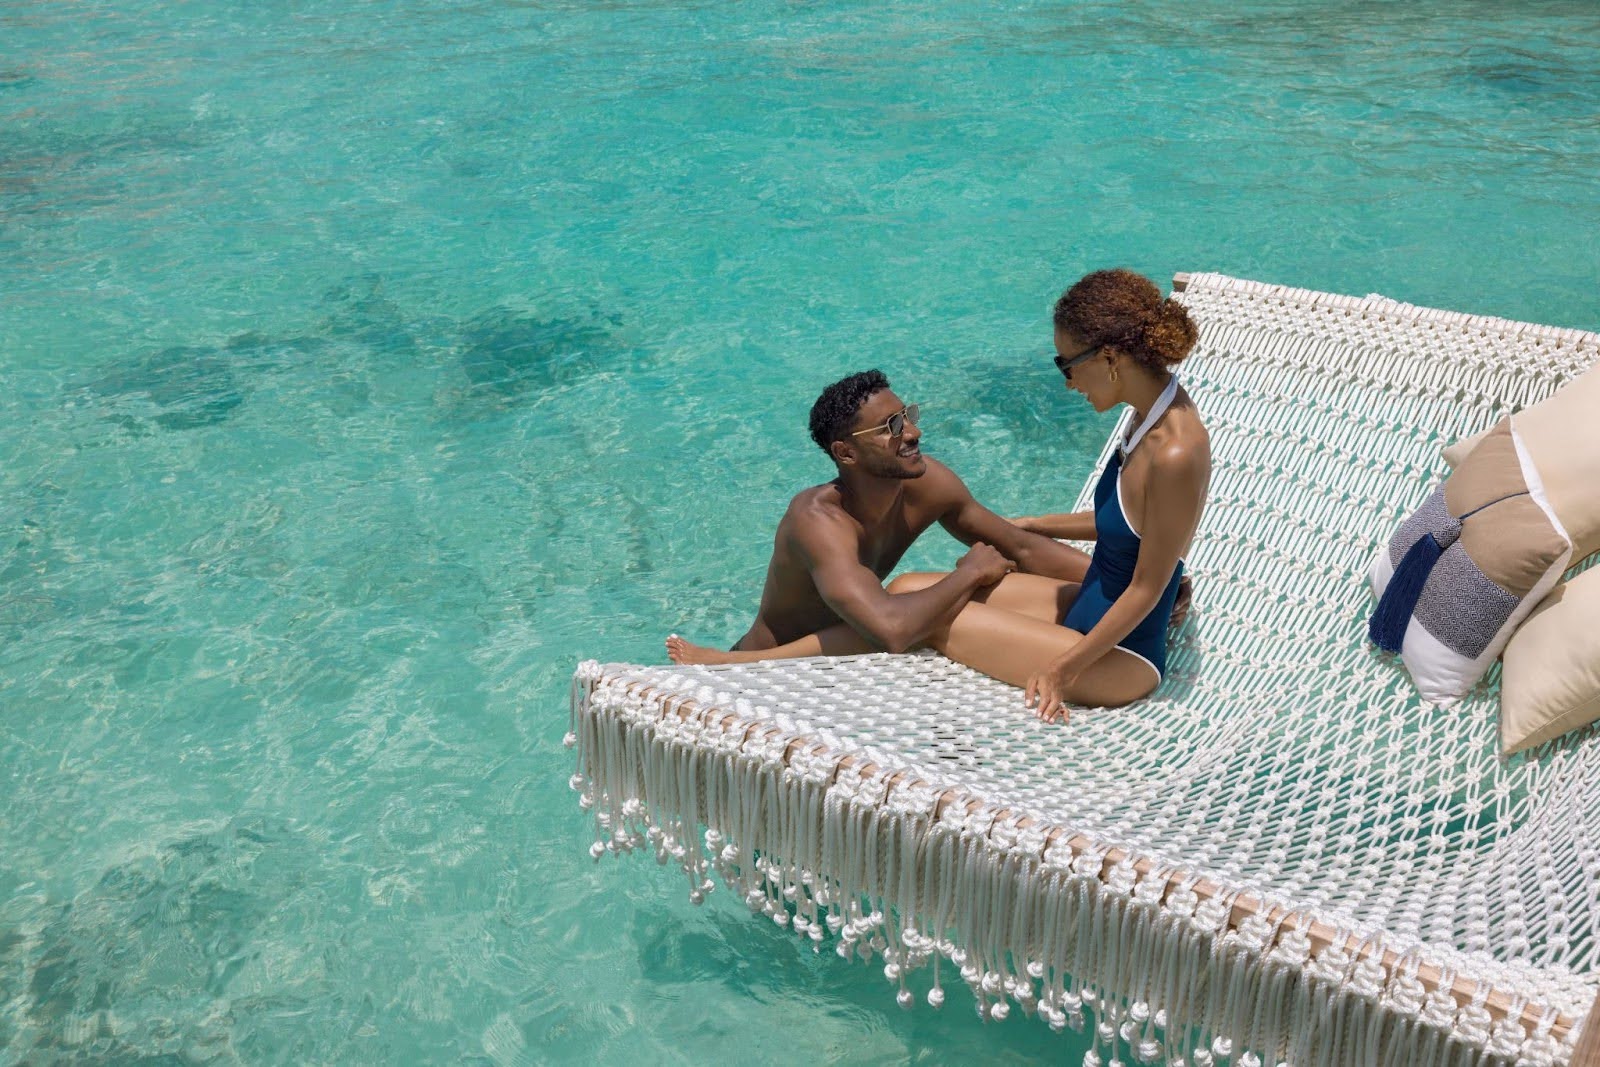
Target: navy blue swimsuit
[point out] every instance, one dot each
(1116, 552)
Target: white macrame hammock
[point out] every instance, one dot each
(1284, 855)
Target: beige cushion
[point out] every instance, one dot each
(1550, 682)
(1454, 454)
(1562, 436)
(1509, 538)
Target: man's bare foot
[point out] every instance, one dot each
(681, 651)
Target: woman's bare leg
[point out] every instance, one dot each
(840, 639)
(1045, 598)
(1010, 631)
(1033, 595)
(1027, 594)
(1012, 647)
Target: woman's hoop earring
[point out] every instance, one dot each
(1113, 374)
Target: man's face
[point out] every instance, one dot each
(878, 452)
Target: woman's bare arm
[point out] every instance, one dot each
(1068, 526)
(971, 523)
(1174, 498)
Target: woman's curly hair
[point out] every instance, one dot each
(1124, 310)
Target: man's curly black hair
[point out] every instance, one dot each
(836, 408)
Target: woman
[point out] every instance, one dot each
(1101, 642)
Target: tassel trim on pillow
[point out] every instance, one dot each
(1387, 627)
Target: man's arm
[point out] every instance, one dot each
(970, 522)
(894, 622)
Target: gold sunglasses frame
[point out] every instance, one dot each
(910, 413)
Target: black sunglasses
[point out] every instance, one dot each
(1065, 365)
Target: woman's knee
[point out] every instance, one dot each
(1098, 698)
(912, 581)
(1116, 681)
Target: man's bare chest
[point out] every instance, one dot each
(881, 548)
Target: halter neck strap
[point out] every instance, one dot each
(1158, 409)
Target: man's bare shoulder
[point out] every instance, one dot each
(813, 512)
(939, 484)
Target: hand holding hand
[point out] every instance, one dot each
(986, 562)
(1047, 692)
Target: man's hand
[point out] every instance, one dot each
(1180, 606)
(1047, 693)
(986, 563)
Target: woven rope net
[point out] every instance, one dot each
(1284, 855)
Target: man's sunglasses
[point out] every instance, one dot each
(896, 425)
(1065, 365)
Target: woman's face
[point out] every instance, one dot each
(1091, 377)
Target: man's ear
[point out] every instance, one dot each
(843, 453)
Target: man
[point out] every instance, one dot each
(838, 541)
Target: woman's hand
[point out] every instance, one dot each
(1047, 691)
(1074, 526)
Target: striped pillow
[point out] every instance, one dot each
(1467, 567)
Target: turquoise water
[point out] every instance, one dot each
(365, 366)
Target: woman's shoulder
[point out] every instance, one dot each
(1181, 445)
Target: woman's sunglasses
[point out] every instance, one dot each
(896, 425)
(1065, 365)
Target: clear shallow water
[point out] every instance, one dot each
(366, 366)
